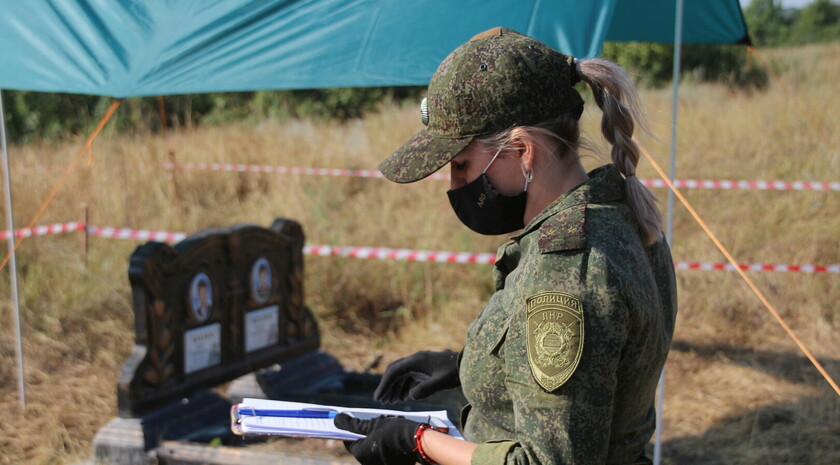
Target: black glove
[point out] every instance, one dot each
(390, 440)
(418, 376)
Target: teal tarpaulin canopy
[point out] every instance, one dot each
(126, 48)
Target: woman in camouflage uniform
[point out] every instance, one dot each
(562, 364)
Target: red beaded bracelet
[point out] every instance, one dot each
(418, 440)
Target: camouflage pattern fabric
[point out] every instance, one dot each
(499, 79)
(530, 400)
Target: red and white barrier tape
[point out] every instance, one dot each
(747, 185)
(653, 183)
(488, 259)
(681, 183)
(288, 170)
(758, 267)
(44, 230)
(135, 234)
(400, 254)
(382, 253)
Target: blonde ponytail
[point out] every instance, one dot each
(615, 95)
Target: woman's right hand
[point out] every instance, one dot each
(418, 376)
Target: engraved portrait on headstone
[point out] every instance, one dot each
(201, 298)
(261, 280)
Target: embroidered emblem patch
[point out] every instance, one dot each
(555, 337)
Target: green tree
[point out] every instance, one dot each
(653, 63)
(819, 21)
(767, 22)
(37, 115)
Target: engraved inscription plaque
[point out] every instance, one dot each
(202, 348)
(261, 328)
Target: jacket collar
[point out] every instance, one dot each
(605, 184)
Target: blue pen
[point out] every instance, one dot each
(305, 413)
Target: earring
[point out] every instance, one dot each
(529, 176)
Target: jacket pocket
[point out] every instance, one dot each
(498, 348)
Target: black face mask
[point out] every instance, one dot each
(484, 210)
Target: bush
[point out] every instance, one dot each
(35, 115)
(772, 25)
(818, 22)
(653, 63)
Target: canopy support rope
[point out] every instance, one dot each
(741, 272)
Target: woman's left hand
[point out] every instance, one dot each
(390, 440)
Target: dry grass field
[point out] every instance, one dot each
(738, 390)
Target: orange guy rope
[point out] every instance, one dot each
(741, 272)
(87, 148)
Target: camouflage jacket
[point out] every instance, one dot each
(562, 364)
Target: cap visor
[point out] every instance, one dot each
(421, 156)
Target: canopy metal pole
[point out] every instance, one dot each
(669, 221)
(10, 229)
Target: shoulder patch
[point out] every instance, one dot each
(555, 337)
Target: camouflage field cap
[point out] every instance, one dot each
(497, 80)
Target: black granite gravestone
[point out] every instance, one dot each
(219, 305)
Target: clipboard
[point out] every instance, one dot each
(305, 420)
